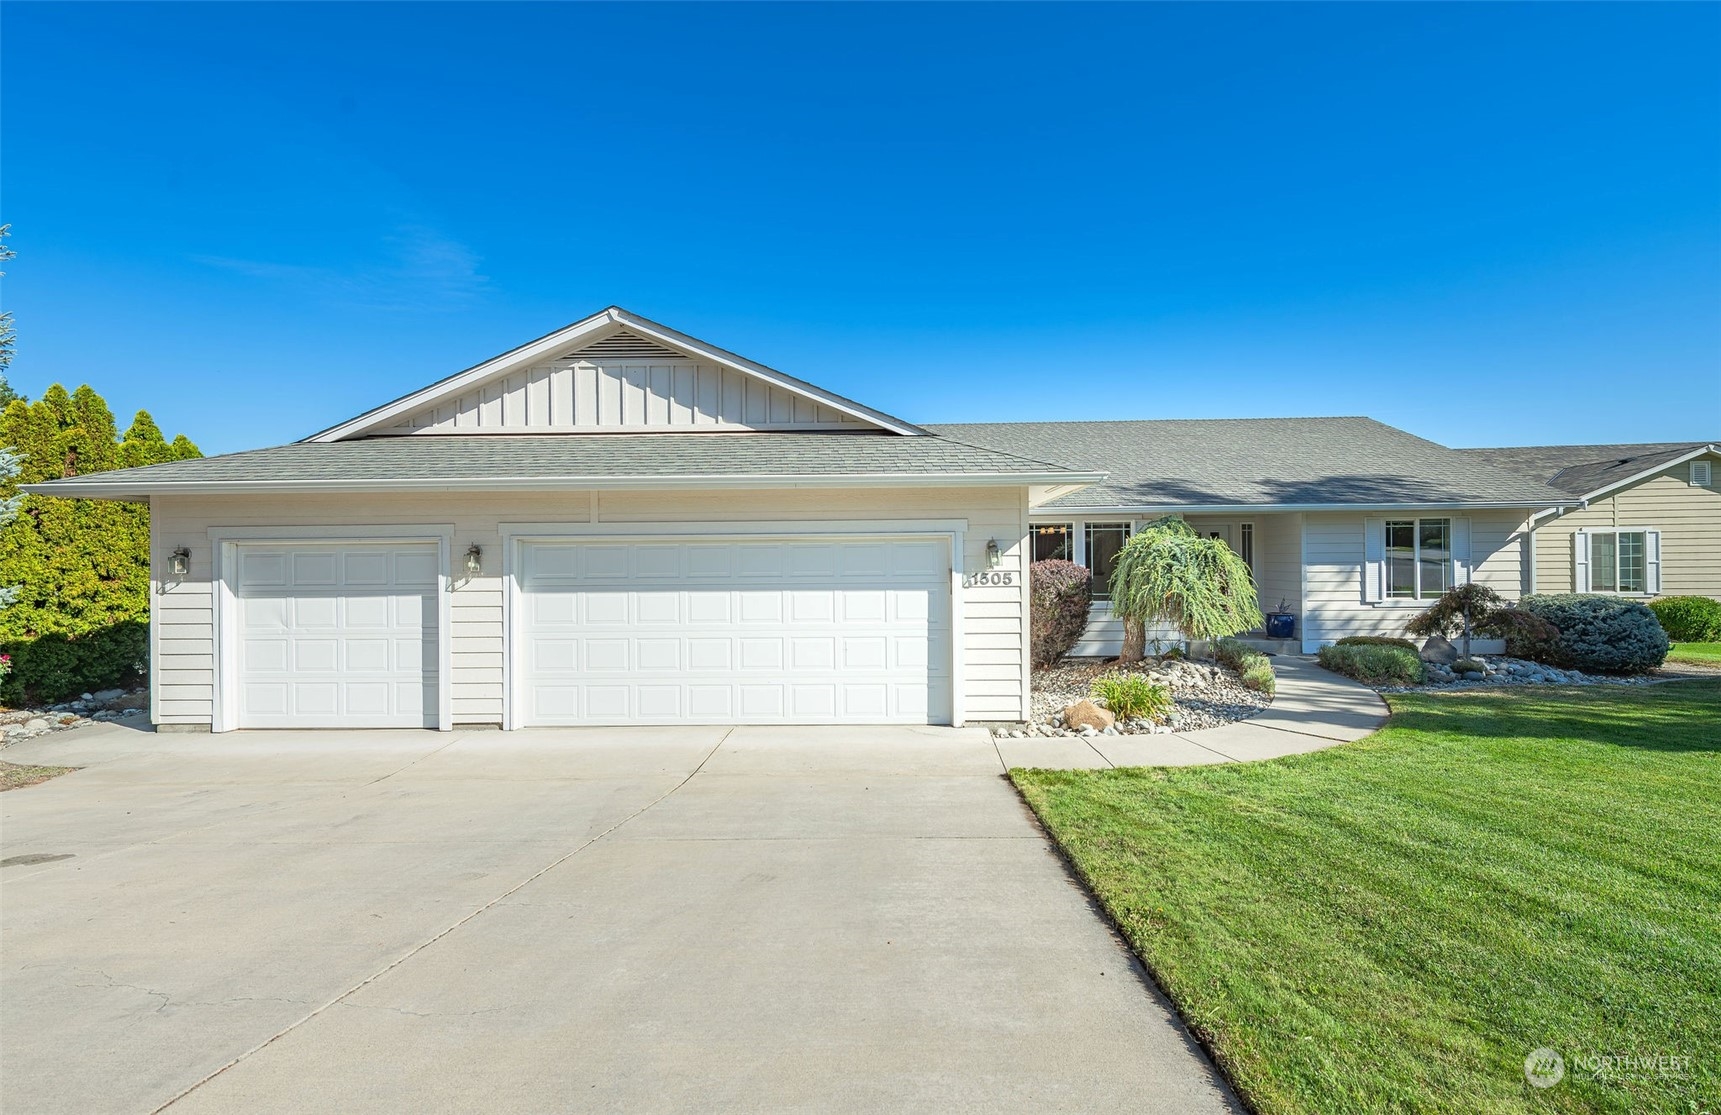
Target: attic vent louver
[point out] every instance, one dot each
(625, 345)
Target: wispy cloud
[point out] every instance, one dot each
(416, 268)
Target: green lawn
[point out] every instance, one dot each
(1394, 924)
(1704, 654)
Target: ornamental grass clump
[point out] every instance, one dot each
(1132, 696)
(1167, 573)
(1252, 667)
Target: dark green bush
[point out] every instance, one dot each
(1059, 596)
(1374, 665)
(1376, 641)
(1598, 634)
(55, 667)
(1689, 619)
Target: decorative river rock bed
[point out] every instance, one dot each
(1497, 669)
(109, 704)
(1205, 696)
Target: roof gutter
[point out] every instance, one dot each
(1242, 508)
(135, 491)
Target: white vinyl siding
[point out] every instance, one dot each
(1338, 557)
(654, 393)
(992, 622)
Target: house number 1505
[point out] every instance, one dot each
(988, 580)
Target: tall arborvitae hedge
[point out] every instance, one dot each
(79, 567)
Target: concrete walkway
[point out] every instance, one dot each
(666, 919)
(1314, 709)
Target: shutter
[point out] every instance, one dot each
(1460, 551)
(1580, 561)
(1374, 560)
(1652, 562)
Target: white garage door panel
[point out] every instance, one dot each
(337, 636)
(725, 631)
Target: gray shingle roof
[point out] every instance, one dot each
(1265, 462)
(1582, 469)
(556, 459)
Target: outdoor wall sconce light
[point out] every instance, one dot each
(991, 553)
(179, 562)
(474, 560)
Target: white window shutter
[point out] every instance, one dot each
(1373, 560)
(1580, 562)
(1460, 551)
(1652, 562)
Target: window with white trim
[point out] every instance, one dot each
(1052, 541)
(1619, 561)
(1418, 558)
(1104, 540)
(1246, 544)
(1702, 476)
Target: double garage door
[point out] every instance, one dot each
(733, 631)
(793, 631)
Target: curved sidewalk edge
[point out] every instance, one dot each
(1313, 709)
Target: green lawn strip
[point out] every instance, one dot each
(1704, 654)
(1394, 924)
(15, 776)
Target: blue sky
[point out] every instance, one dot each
(1486, 224)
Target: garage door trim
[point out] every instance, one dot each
(224, 545)
(950, 531)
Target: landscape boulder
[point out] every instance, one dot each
(1437, 649)
(1086, 714)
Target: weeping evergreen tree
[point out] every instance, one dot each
(1167, 573)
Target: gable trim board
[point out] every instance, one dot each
(587, 330)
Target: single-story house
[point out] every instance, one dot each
(617, 523)
(1639, 520)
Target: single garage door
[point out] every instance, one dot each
(734, 631)
(336, 636)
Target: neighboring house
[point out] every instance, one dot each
(1639, 520)
(618, 523)
(1353, 524)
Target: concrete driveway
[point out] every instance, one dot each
(594, 920)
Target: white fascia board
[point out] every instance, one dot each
(1266, 508)
(1637, 478)
(550, 483)
(546, 347)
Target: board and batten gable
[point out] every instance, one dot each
(582, 395)
(993, 619)
(1335, 553)
(1687, 515)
